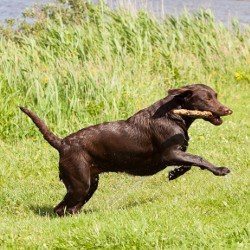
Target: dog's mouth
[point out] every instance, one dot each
(212, 117)
(215, 119)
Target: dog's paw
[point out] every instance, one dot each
(222, 171)
(172, 175)
(60, 210)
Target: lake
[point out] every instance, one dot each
(224, 10)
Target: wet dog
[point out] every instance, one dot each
(143, 145)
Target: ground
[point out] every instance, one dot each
(198, 210)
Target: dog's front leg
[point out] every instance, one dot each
(180, 158)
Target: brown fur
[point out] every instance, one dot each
(144, 144)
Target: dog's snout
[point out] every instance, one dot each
(228, 111)
(222, 111)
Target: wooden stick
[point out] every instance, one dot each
(192, 113)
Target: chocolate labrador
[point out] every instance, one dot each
(143, 145)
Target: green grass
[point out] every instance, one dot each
(80, 68)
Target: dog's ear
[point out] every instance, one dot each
(181, 92)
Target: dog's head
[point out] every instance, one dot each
(203, 98)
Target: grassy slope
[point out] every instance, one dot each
(130, 62)
(198, 209)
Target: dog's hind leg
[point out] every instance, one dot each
(75, 174)
(92, 189)
(177, 172)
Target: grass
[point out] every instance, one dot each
(79, 68)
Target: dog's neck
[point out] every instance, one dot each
(163, 108)
(183, 121)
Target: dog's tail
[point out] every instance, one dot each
(52, 139)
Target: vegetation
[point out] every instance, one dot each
(79, 64)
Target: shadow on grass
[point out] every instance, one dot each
(136, 203)
(43, 211)
(47, 211)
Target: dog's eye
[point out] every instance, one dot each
(209, 96)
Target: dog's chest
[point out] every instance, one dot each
(184, 146)
(167, 135)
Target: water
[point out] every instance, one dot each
(224, 10)
(14, 8)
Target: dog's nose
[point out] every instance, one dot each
(228, 111)
(223, 110)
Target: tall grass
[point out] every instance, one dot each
(79, 63)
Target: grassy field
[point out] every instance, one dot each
(76, 68)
